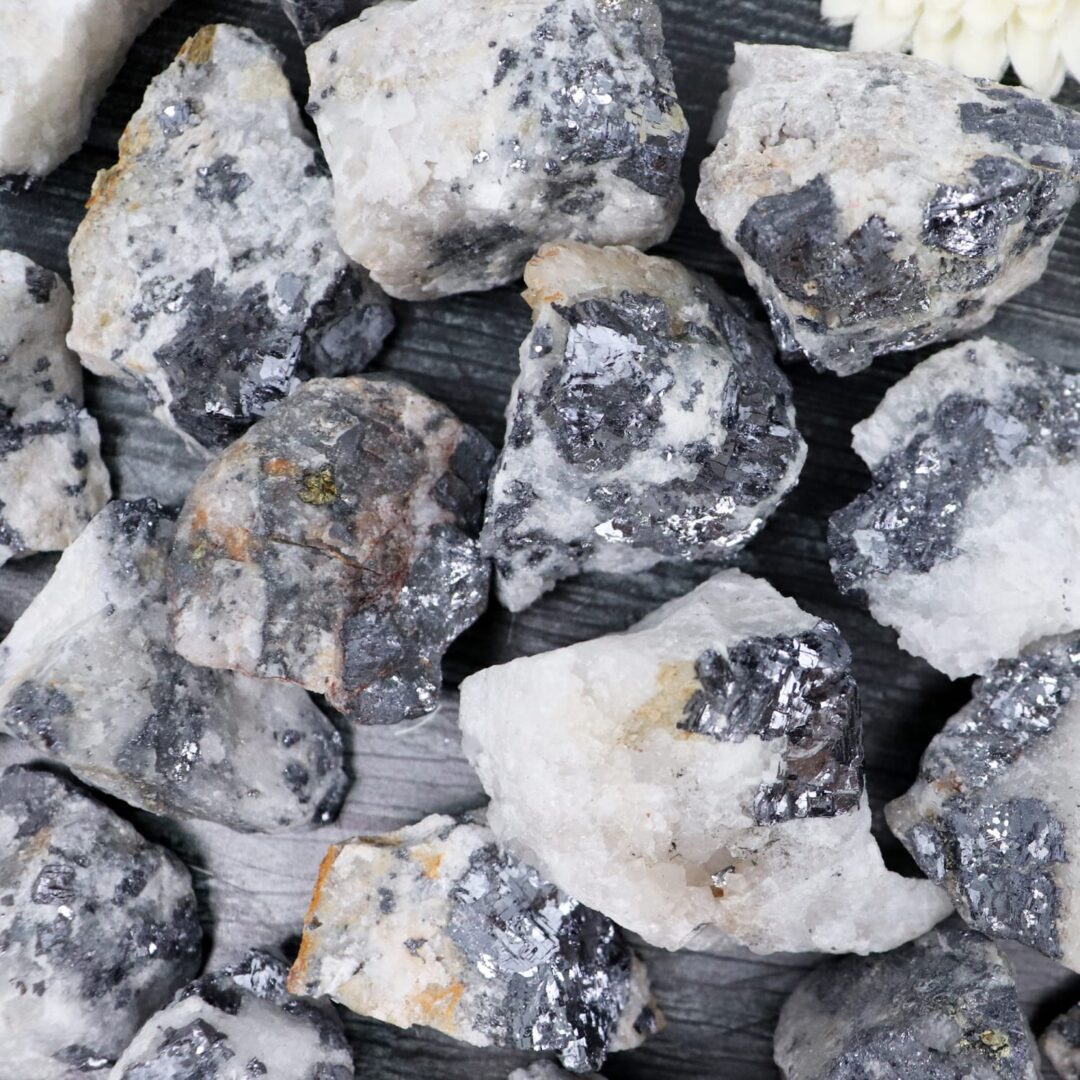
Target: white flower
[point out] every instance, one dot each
(1039, 38)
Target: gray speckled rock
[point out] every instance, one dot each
(435, 925)
(649, 422)
(88, 676)
(52, 480)
(941, 1008)
(462, 136)
(240, 1023)
(1060, 1042)
(546, 1070)
(206, 267)
(332, 545)
(314, 19)
(97, 929)
(880, 202)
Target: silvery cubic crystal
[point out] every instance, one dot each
(52, 479)
(649, 422)
(97, 929)
(941, 1008)
(333, 545)
(698, 778)
(880, 202)
(966, 541)
(88, 676)
(206, 268)
(1060, 1042)
(240, 1023)
(462, 137)
(438, 926)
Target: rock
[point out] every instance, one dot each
(698, 779)
(463, 136)
(966, 541)
(87, 676)
(1060, 1042)
(880, 202)
(546, 1070)
(314, 19)
(649, 422)
(56, 62)
(332, 545)
(435, 925)
(240, 1018)
(52, 480)
(206, 268)
(941, 1008)
(97, 929)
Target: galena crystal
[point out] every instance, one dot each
(994, 808)
(462, 136)
(332, 546)
(240, 1023)
(436, 925)
(88, 676)
(206, 267)
(52, 480)
(649, 422)
(941, 1008)
(966, 541)
(314, 19)
(97, 929)
(698, 778)
(1060, 1042)
(881, 202)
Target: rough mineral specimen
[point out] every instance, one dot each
(942, 1008)
(698, 778)
(880, 202)
(314, 19)
(966, 542)
(332, 546)
(57, 58)
(88, 676)
(436, 925)
(240, 1023)
(1060, 1042)
(206, 268)
(546, 1070)
(462, 136)
(649, 422)
(97, 929)
(52, 480)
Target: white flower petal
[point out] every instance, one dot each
(988, 15)
(871, 34)
(902, 9)
(1041, 17)
(981, 56)
(1069, 38)
(938, 23)
(841, 11)
(1035, 57)
(932, 46)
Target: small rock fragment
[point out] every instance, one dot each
(546, 1070)
(88, 676)
(966, 541)
(52, 480)
(240, 1023)
(97, 929)
(940, 1008)
(332, 545)
(462, 136)
(649, 422)
(435, 925)
(1060, 1042)
(314, 19)
(881, 202)
(698, 778)
(206, 267)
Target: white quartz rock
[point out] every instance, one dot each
(206, 268)
(52, 479)
(57, 58)
(649, 422)
(966, 541)
(698, 778)
(462, 136)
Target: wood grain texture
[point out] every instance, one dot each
(254, 890)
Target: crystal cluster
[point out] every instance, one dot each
(436, 925)
(649, 422)
(332, 546)
(87, 675)
(52, 480)
(314, 19)
(206, 268)
(462, 136)
(966, 541)
(97, 929)
(943, 1007)
(697, 778)
(881, 202)
(1060, 1042)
